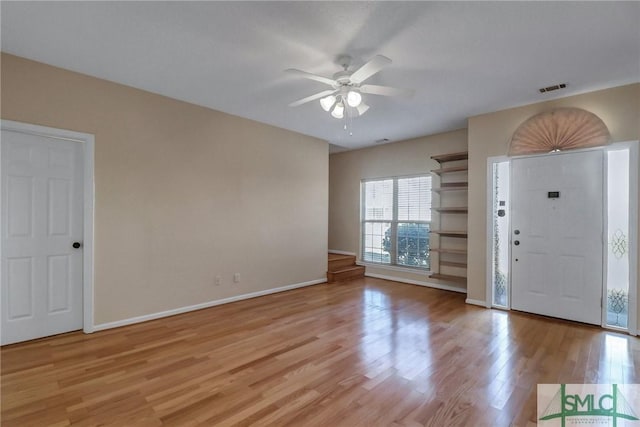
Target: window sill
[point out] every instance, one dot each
(394, 268)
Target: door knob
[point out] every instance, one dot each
(76, 245)
(516, 242)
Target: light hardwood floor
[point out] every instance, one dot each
(367, 352)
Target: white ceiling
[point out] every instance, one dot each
(462, 58)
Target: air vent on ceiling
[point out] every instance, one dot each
(381, 141)
(552, 88)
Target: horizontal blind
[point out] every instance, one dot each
(414, 199)
(378, 200)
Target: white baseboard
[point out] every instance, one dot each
(476, 302)
(173, 312)
(417, 282)
(335, 251)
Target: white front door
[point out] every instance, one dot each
(556, 235)
(42, 218)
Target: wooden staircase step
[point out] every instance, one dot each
(332, 255)
(337, 261)
(348, 273)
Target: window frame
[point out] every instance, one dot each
(394, 221)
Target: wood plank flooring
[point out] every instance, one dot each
(368, 352)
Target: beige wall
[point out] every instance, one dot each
(489, 135)
(347, 169)
(183, 193)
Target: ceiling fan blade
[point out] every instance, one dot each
(386, 91)
(310, 76)
(313, 97)
(369, 69)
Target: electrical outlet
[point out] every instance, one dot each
(218, 280)
(236, 278)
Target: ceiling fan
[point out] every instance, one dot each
(345, 95)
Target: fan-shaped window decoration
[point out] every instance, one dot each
(561, 129)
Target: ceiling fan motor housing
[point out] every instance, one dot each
(343, 78)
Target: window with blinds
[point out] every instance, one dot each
(396, 217)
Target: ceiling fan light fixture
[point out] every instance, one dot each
(327, 102)
(338, 111)
(344, 99)
(362, 108)
(354, 98)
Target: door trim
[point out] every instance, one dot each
(88, 142)
(634, 158)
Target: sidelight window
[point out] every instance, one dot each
(617, 294)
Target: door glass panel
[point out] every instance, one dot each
(500, 232)
(618, 238)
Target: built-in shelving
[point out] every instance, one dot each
(449, 170)
(453, 264)
(451, 260)
(464, 186)
(452, 210)
(450, 233)
(449, 278)
(449, 251)
(442, 158)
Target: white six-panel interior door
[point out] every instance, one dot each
(42, 218)
(557, 226)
